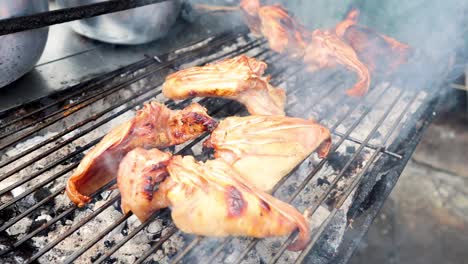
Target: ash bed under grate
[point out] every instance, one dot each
(42, 143)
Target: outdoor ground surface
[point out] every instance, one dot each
(425, 219)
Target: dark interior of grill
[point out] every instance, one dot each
(43, 141)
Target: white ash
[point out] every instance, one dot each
(21, 227)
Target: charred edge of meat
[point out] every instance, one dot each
(235, 202)
(196, 118)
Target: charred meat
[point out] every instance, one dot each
(284, 33)
(240, 78)
(381, 54)
(155, 126)
(327, 50)
(140, 174)
(207, 199)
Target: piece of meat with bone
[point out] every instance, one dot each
(140, 174)
(155, 126)
(239, 78)
(211, 199)
(283, 32)
(327, 50)
(264, 149)
(207, 199)
(381, 54)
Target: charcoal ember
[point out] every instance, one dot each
(322, 181)
(96, 257)
(75, 158)
(124, 230)
(337, 160)
(109, 244)
(350, 149)
(153, 230)
(171, 246)
(37, 224)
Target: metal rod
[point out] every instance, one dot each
(52, 221)
(101, 235)
(76, 152)
(171, 231)
(15, 219)
(95, 97)
(143, 225)
(355, 182)
(335, 181)
(98, 81)
(70, 231)
(17, 24)
(315, 170)
(67, 170)
(126, 239)
(187, 249)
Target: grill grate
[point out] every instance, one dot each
(370, 124)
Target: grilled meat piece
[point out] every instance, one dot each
(240, 78)
(250, 10)
(327, 50)
(211, 199)
(381, 54)
(263, 149)
(155, 126)
(140, 173)
(283, 32)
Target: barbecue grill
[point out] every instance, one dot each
(43, 141)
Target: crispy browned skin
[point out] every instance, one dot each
(284, 33)
(380, 53)
(240, 78)
(140, 173)
(327, 50)
(155, 126)
(211, 199)
(263, 149)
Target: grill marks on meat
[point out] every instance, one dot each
(240, 78)
(155, 126)
(264, 149)
(139, 174)
(380, 53)
(327, 50)
(207, 199)
(219, 201)
(283, 32)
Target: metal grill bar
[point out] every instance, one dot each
(281, 75)
(341, 174)
(151, 94)
(71, 209)
(74, 107)
(102, 79)
(17, 24)
(358, 178)
(308, 178)
(76, 152)
(314, 172)
(143, 225)
(73, 166)
(73, 229)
